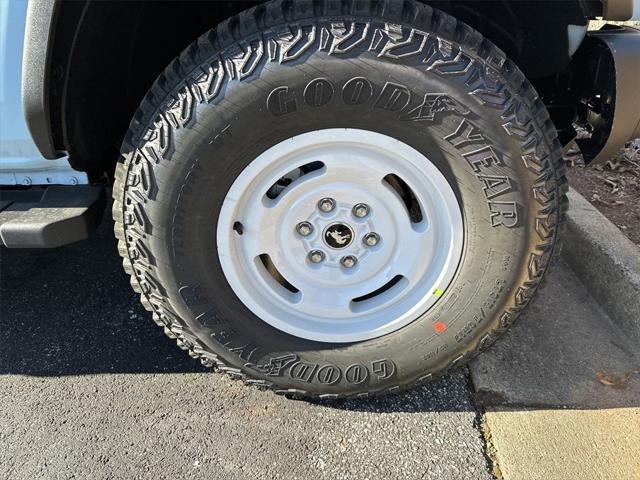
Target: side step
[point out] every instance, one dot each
(49, 217)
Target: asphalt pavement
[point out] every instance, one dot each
(91, 388)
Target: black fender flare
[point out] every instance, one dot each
(36, 59)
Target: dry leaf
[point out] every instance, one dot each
(614, 381)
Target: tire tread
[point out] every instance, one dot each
(282, 12)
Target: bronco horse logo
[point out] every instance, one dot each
(338, 235)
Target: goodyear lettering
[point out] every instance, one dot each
(328, 374)
(318, 92)
(482, 160)
(391, 97)
(280, 102)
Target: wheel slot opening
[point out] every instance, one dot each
(283, 182)
(380, 295)
(266, 261)
(408, 197)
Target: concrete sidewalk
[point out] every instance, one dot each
(561, 391)
(547, 415)
(606, 261)
(566, 444)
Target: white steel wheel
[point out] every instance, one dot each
(340, 235)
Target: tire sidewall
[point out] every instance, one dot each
(224, 136)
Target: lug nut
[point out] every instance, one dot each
(371, 239)
(361, 210)
(326, 205)
(316, 256)
(348, 261)
(304, 228)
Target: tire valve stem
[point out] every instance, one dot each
(316, 256)
(238, 227)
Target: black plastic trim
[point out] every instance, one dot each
(39, 31)
(50, 217)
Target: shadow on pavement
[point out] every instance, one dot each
(71, 311)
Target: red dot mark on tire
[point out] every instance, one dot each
(439, 326)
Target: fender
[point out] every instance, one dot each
(39, 32)
(41, 111)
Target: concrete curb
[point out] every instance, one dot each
(606, 261)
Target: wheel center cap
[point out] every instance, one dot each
(338, 235)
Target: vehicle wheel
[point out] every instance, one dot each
(338, 198)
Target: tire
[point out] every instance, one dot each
(285, 70)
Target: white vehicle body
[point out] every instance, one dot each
(21, 163)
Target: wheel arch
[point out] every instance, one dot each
(105, 55)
